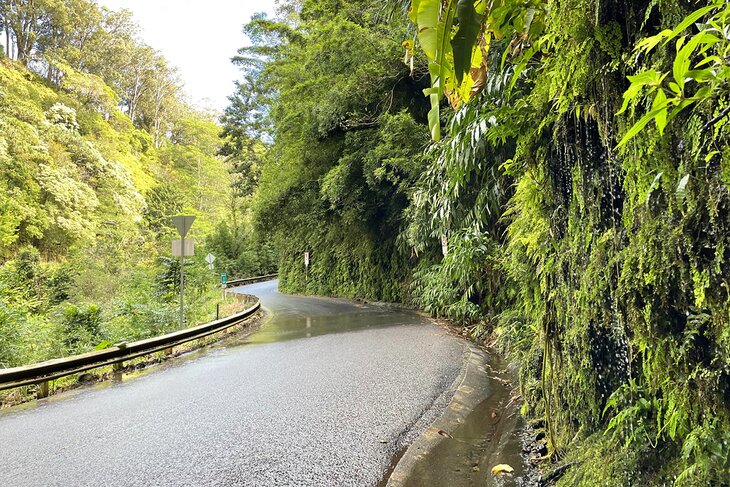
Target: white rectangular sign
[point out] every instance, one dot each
(189, 247)
(306, 259)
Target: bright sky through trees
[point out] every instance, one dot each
(196, 38)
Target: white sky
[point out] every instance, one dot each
(199, 37)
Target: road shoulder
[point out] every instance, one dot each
(481, 427)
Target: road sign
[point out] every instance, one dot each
(184, 247)
(189, 247)
(183, 224)
(210, 258)
(306, 259)
(211, 266)
(444, 245)
(224, 278)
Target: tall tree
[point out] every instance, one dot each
(25, 21)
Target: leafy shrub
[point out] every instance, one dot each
(59, 284)
(82, 326)
(60, 114)
(10, 334)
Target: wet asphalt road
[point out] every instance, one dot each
(323, 394)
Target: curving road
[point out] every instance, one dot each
(324, 394)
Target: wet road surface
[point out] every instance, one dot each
(324, 394)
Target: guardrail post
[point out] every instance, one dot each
(117, 367)
(42, 390)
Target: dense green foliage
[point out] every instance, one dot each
(609, 281)
(570, 157)
(97, 152)
(581, 183)
(342, 123)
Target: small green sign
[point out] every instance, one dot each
(224, 278)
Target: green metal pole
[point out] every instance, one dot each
(182, 280)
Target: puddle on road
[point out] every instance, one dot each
(468, 457)
(292, 317)
(278, 328)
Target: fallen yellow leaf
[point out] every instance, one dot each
(502, 468)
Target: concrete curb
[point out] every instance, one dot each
(470, 391)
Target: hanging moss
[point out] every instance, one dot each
(628, 304)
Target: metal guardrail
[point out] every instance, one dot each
(250, 280)
(42, 372)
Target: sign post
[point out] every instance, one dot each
(306, 265)
(183, 224)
